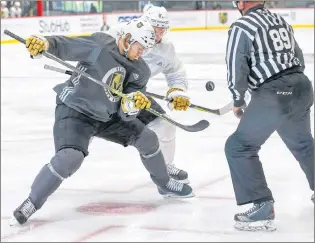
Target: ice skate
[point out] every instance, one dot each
(177, 174)
(258, 218)
(175, 189)
(22, 213)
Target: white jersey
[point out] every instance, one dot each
(15, 12)
(161, 58)
(4, 12)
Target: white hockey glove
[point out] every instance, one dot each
(140, 101)
(179, 100)
(35, 44)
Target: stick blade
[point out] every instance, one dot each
(199, 126)
(225, 109)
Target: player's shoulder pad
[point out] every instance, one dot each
(100, 34)
(165, 46)
(102, 38)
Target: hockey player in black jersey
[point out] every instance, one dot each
(85, 110)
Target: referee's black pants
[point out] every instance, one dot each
(281, 105)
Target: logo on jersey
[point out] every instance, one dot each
(135, 75)
(76, 79)
(114, 78)
(223, 17)
(139, 25)
(284, 93)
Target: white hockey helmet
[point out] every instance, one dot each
(4, 3)
(141, 31)
(17, 4)
(157, 16)
(147, 7)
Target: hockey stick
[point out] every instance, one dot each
(58, 70)
(225, 109)
(199, 126)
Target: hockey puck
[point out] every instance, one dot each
(209, 86)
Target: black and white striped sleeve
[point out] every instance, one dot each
(237, 61)
(297, 50)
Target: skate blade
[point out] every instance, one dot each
(172, 195)
(263, 225)
(186, 181)
(13, 222)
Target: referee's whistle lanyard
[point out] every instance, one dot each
(240, 10)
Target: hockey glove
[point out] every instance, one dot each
(140, 101)
(35, 44)
(178, 99)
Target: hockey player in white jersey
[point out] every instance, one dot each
(162, 58)
(15, 10)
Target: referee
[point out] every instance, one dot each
(262, 56)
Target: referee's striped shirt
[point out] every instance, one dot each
(261, 44)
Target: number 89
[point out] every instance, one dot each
(280, 39)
